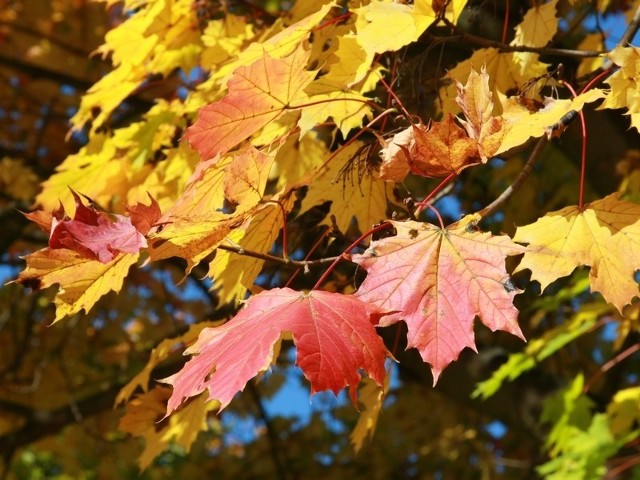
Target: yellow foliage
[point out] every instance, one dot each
(17, 180)
(603, 236)
(625, 83)
(182, 427)
(354, 191)
(82, 281)
(371, 396)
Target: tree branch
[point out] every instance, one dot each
(272, 435)
(519, 180)
(631, 30)
(272, 258)
(503, 47)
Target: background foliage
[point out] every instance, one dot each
(112, 126)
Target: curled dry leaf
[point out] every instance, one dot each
(445, 148)
(395, 165)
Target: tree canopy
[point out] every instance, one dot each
(426, 214)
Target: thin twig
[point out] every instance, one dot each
(629, 462)
(631, 30)
(519, 180)
(272, 258)
(627, 36)
(610, 364)
(503, 47)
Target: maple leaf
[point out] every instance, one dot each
(604, 236)
(537, 28)
(82, 280)
(195, 226)
(437, 280)
(258, 94)
(334, 334)
(147, 409)
(351, 188)
(502, 69)
(163, 34)
(94, 235)
(445, 148)
(246, 177)
(280, 42)
(520, 124)
(517, 124)
(349, 77)
(223, 39)
(625, 83)
(389, 26)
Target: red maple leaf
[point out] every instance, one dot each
(335, 335)
(93, 234)
(437, 280)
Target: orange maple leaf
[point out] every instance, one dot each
(445, 148)
(604, 236)
(258, 94)
(437, 280)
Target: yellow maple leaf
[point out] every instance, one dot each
(182, 427)
(593, 42)
(339, 93)
(277, 43)
(537, 28)
(385, 26)
(604, 236)
(625, 83)
(223, 39)
(520, 124)
(246, 177)
(82, 280)
(297, 160)
(475, 98)
(164, 39)
(351, 188)
(167, 180)
(194, 227)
